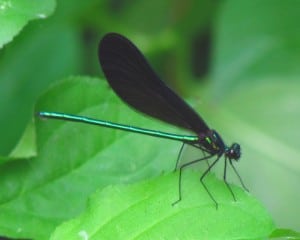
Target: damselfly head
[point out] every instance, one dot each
(233, 152)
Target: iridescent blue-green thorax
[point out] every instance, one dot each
(214, 144)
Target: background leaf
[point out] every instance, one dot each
(25, 148)
(41, 55)
(15, 14)
(256, 49)
(256, 78)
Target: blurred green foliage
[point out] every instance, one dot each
(239, 57)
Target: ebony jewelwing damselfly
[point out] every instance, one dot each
(133, 80)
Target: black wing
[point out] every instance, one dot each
(132, 78)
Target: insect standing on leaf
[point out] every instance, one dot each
(133, 80)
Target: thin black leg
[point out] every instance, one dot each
(179, 156)
(236, 172)
(202, 177)
(207, 162)
(180, 174)
(225, 180)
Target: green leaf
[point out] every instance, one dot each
(26, 147)
(74, 160)
(144, 211)
(15, 14)
(51, 58)
(285, 234)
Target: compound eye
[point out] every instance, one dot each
(236, 147)
(235, 151)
